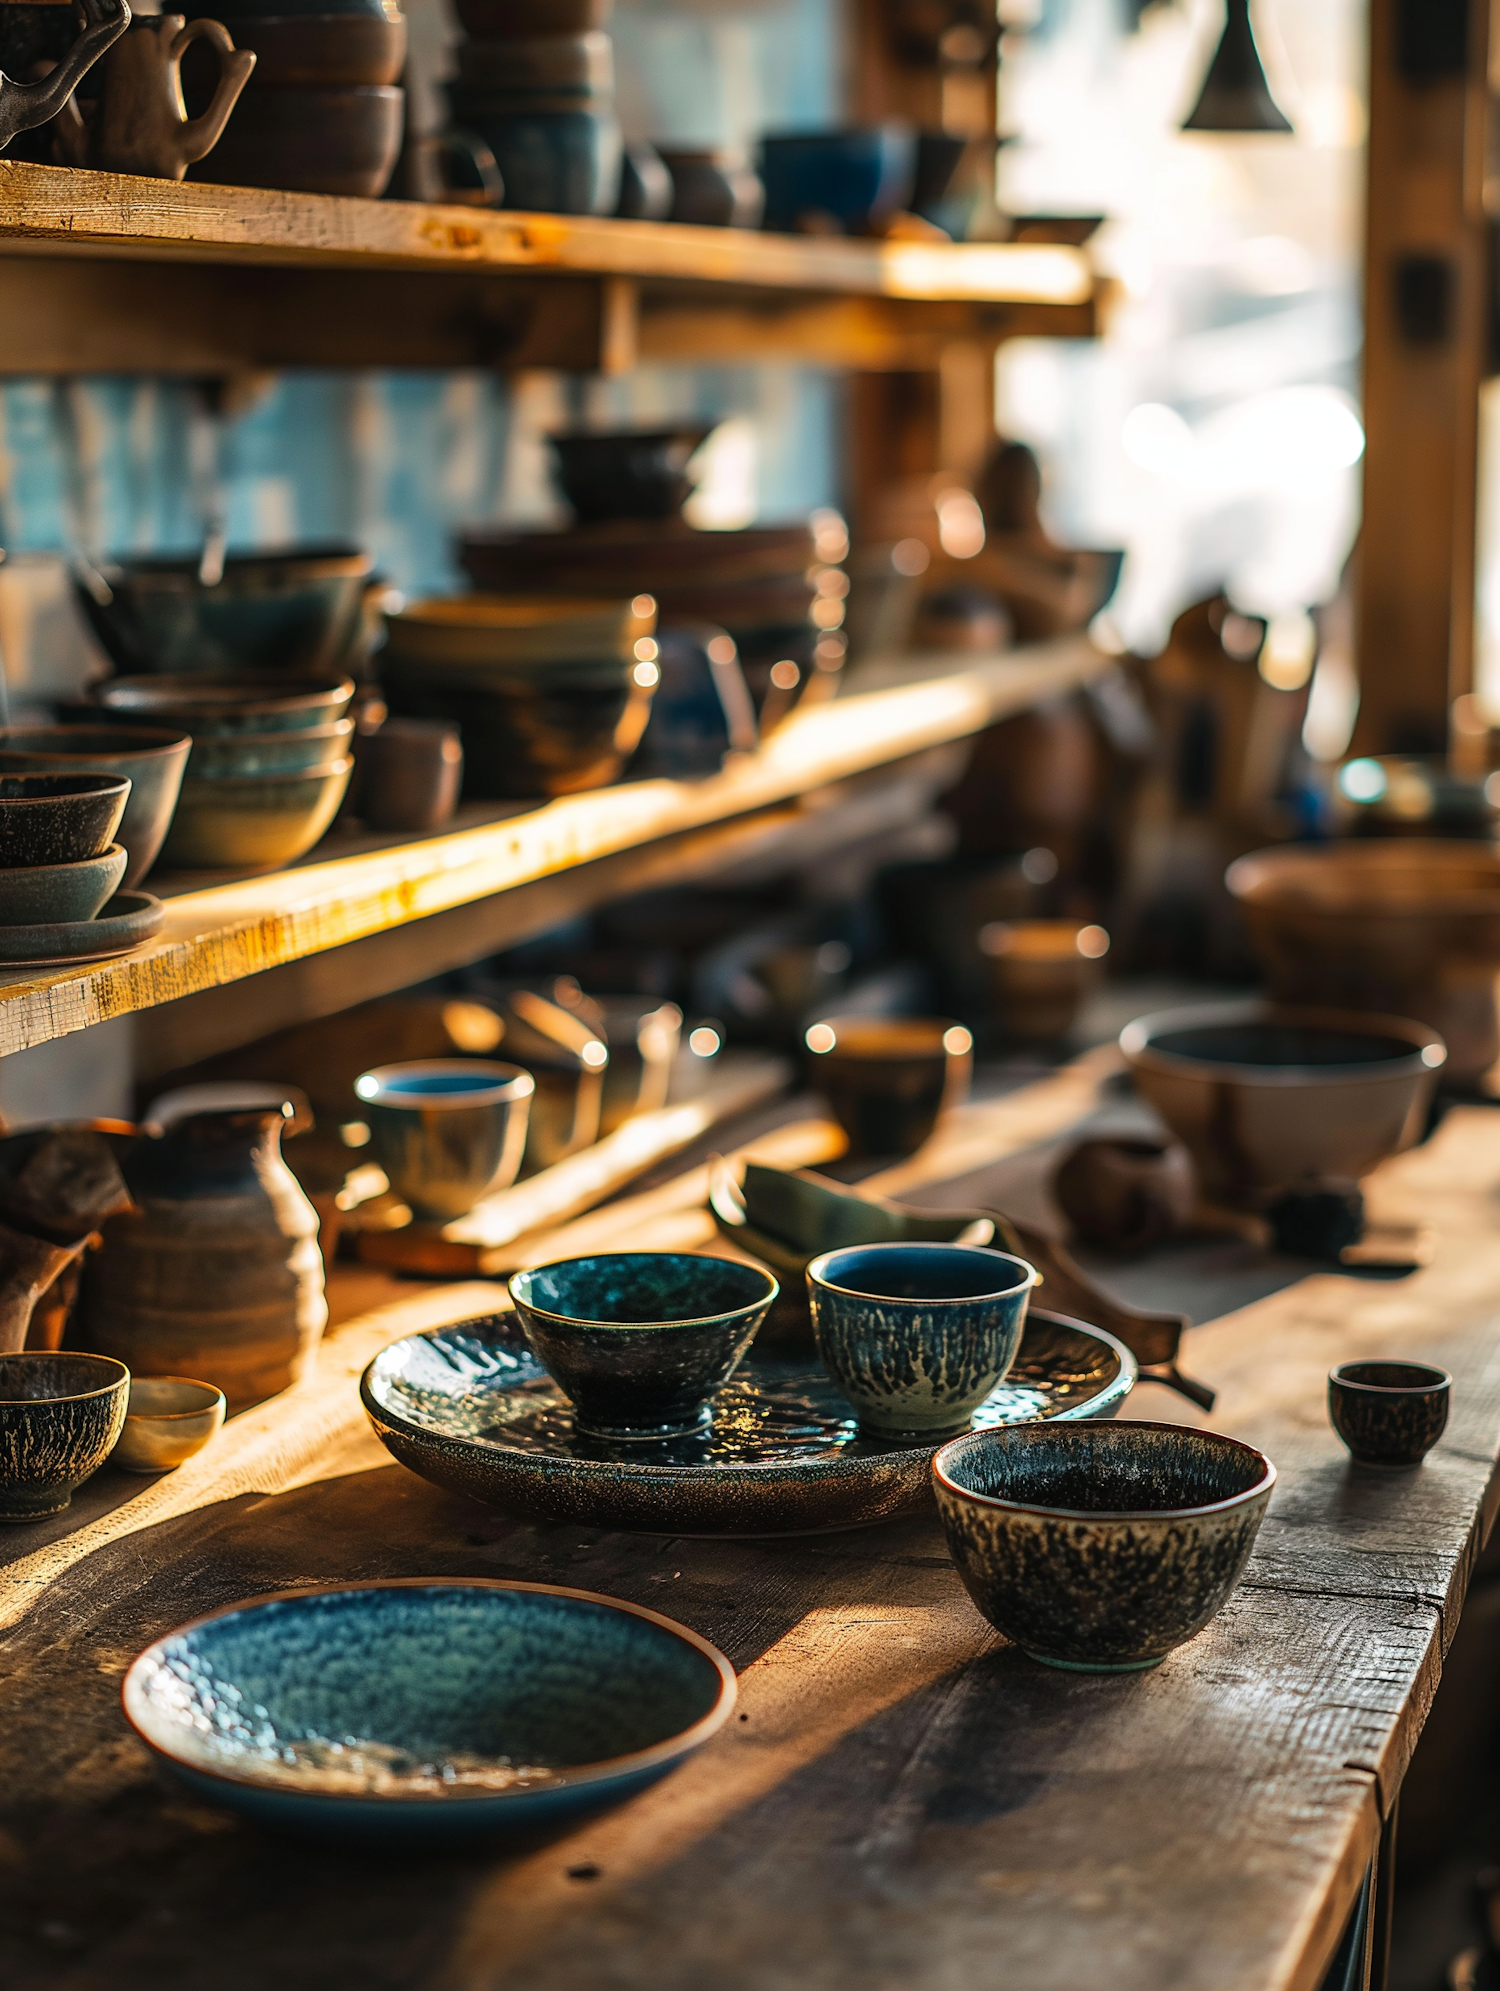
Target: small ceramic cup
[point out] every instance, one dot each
(1039, 972)
(447, 1131)
(167, 1420)
(889, 1078)
(409, 774)
(641, 1341)
(60, 1416)
(1389, 1414)
(917, 1335)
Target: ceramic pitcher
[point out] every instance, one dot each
(214, 1272)
(140, 124)
(24, 106)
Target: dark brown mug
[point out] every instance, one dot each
(409, 774)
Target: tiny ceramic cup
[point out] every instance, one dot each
(1389, 1414)
(1100, 1547)
(1039, 972)
(60, 1416)
(642, 1341)
(409, 774)
(447, 1131)
(889, 1078)
(917, 1335)
(167, 1420)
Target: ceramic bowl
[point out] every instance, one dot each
(635, 473)
(567, 1059)
(40, 894)
(59, 1418)
(321, 51)
(667, 558)
(151, 759)
(554, 157)
(889, 1078)
(168, 1419)
(205, 705)
(291, 751)
(917, 1335)
(540, 63)
(713, 189)
(295, 608)
(252, 822)
(1404, 927)
(311, 141)
(426, 1708)
(1268, 1099)
(642, 1340)
(1100, 1548)
(859, 178)
(447, 1131)
(1039, 972)
(492, 632)
(48, 819)
(1389, 1414)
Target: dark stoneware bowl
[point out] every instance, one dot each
(426, 1709)
(151, 758)
(888, 1078)
(209, 704)
(642, 1340)
(1100, 1548)
(43, 894)
(856, 177)
(330, 50)
(59, 1418)
(497, 19)
(447, 1131)
(59, 818)
(1389, 1414)
(632, 474)
(311, 141)
(917, 1335)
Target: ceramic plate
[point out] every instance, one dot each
(127, 920)
(471, 1409)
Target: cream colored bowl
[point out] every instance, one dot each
(167, 1420)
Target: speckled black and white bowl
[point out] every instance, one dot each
(1100, 1548)
(917, 1335)
(426, 1709)
(59, 1418)
(59, 818)
(1389, 1414)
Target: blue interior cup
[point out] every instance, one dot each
(447, 1131)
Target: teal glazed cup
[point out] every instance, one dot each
(642, 1341)
(447, 1131)
(917, 1335)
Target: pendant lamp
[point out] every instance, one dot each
(1235, 94)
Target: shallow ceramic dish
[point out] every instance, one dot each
(642, 1341)
(470, 1408)
(209, 704)
(251, 822)
(59, 818)
(32, 893)
(293, 751)
(425, 1708)
(59, 1418)
(1268, 1100)
(152, 759)
(1389, 1414)
(1100, 1549)
(516, 629)
(168, 1420)
(123, 922)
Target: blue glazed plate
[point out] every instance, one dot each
(425, 1708)
(471, 1409)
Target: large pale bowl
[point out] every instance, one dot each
(1273, 1099)
(1403, 927)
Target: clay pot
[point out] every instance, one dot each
(215, 1271)
(1127, 1195)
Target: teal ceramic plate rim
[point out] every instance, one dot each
(577, 1777)
(816, 1271)
(59, 946)
(629, 1326)
(1261, 1486)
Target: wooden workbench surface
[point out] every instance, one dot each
(903, 1800)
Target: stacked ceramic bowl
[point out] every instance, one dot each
(536, 87)
(551, 695)
(60, 869)
(269, 765)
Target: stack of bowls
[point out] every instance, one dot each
(151, 758)
(269, 765)
(550, 695)
(536, 83)
(60, 870)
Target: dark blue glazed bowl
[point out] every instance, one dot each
(917, 1335)
(447, 1131)
(641, 1341)
(426, 1709)
(858, 177)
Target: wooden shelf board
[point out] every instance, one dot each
(223, 933)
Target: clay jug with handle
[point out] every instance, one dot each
(140, 124)
(214, 1272)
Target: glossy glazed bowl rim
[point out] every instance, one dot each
(1371, 859)
(608, 1769)
(722, 1319)
(241, 691)
(203, 786)
(331, 729)
(817, 1274)
(157, 742)
(216, 1401)
(517, 1084)
(1138, 1046)
(1441, 1382)
(943, 1478)
(109, 785)
(70, 1355)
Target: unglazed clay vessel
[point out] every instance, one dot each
(917, 1335)
(1100, 1548)
(59, 1418)
(1389, 1414)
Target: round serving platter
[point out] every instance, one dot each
(471, 1409)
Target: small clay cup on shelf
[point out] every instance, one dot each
(447, 1131)
(889, 1078)
(1389, 1414)
(409, 774)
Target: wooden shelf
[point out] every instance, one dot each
(108, 270)
(532, 867)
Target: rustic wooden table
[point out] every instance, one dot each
(903, 1799)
